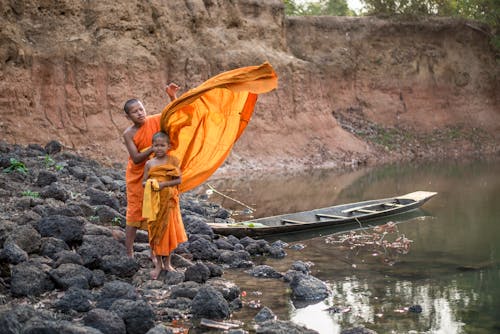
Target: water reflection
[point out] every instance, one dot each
(452, 270)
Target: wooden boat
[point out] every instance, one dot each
(333, 216)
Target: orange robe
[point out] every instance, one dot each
(205, 122)
(135, 172)
(162, 210)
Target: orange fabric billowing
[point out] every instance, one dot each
(205, 122)
(166, 231)
(135, 172)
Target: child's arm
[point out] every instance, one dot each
(147, 167)
(136, 156)
(172, 90)
(170, 183)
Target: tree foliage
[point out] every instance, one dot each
(487, 11)
(319, 7)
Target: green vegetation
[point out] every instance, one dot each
(116, 221)
(93, 219)
(16, 166)
(485, 11)
(49, 162)
(29, 193)
(319, 7)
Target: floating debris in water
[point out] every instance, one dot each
(375, 244)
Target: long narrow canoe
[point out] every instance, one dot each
(338, 215)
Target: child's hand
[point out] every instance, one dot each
(172, 89)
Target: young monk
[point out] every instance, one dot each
(138, 142)
(161, 208)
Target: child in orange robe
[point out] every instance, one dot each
(161, 208)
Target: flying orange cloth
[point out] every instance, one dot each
(134, 174)
(162, 210)
(205, 122)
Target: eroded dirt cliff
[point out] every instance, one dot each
(351, 90)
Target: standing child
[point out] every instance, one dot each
(161, 208)
(137, 139)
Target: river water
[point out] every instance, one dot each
(451, 272)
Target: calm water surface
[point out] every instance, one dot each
(452, 269)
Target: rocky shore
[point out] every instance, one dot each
(64, 268)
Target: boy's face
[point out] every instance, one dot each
(137, 113)
(160, 147)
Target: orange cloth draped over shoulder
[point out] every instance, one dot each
(162, 210)
(205, 122)
(134, 173)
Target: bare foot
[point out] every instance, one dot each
(155, 273)
(168, 267)
(165, 265)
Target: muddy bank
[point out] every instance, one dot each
(351, 90)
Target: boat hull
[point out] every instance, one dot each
(334, 216)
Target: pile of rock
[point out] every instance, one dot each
(63, 263)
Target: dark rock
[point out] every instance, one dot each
(308, 288)
(12, 319)
(71, 275)
(75, 299)
(36, 147)
(53, 147)
(276, 252)
(210, 303)
(92, 229)
(98, 197)
(27, 238)
(109, 216)
(171, 277)
(264, 314)
(160, 329)
(51, 246)
(235, 304)
(357, 330)
(12, 253)
(197, 225)
(233, 240)
(45, 178)
(69, 229)
(301, 266)
(114, 290)
(178, 303)
(224, 244)
(264, 271)
(233, 259)
(215, 270)
(279, 244)
(95, 247)
(282, 327)
(98, 278)
(229, 290)
(415, 309)
(67, 256)
(106, 321)
(55, 191)
(30, 278)
(187, 290)
(247, 241)
(199, 273)
(203, 249)
(78, 172)
(38, 326)
(119, 265)
(137, 315)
